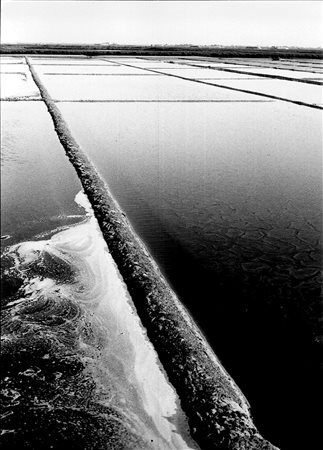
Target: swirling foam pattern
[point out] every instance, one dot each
(77, 366)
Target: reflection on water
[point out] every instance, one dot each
(299, 66)
(138, 88)
(282, 73)
(78, 365)
(38, 185)
(228, 199)
(146, 64)
(280, 88)
(18, 83)
(205, 73)
(104, 69)
(74, 61)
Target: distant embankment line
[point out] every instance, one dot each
(262, 75)
(230, 88)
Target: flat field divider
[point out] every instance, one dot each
(217, 411)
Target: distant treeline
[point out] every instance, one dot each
(180, 50)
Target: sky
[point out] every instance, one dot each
(263, 23)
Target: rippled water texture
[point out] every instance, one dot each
(77, 363)
(228, 199)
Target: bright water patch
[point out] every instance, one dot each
(280, 72)
(136, 88)
(38, 185)
(293, 65)
(14, 68)
(214, 64)
(68, 61)
(108, 70)
(206, 73)
(18, 84)
(11, 59)
(291, 90)
(152, 64)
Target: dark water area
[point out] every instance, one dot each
(38, 185)
(227, 198)
(74, 355)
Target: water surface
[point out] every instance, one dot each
(17, 83)
(38, 184)
(104, 69)
(227, 196)
(280, 72)
(89, 374)
(228, 199)
(136, 88)
(69, 61)
(203, 73)
(291, 90)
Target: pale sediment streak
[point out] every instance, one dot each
(218, 412)
(126, 372)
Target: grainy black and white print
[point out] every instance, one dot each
(161, 219)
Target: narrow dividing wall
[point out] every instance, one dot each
(217, 411)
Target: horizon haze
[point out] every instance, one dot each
(243, 23)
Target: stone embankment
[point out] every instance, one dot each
(218, 413)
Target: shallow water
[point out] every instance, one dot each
(203, 73)
(69, 61)
(73, 297)
(148, 64)
(291, 90)
(14, 68)
(17, 82)
(215, 64)
(104, 69)
(38, 185)
(299, 66)
(280, 72)
(136, 88)
(228, 199)
(227, 196)
(261, 70)
(11, 59)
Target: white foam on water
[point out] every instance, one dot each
(128, 374)
(115, 306)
